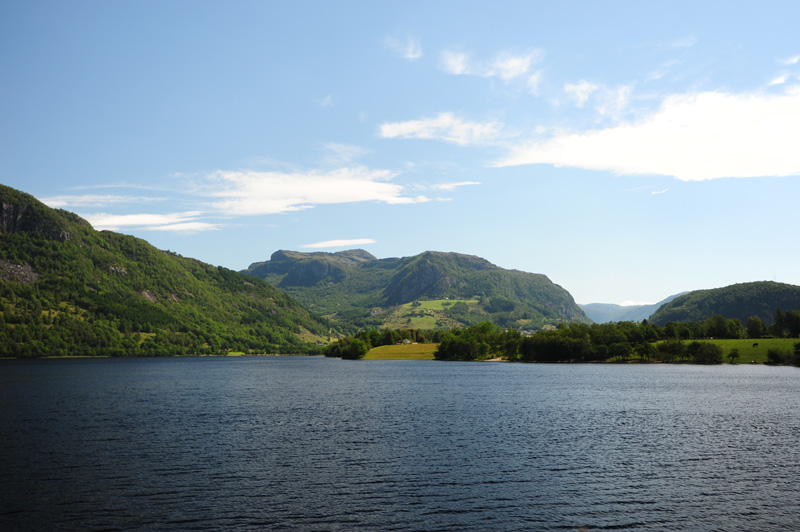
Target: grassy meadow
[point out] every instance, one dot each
(439, 304)
(749, 351)
(402, 352)
(426, 315)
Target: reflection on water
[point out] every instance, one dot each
(294, 443)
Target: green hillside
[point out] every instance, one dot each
(738, 301)
(66, 289)
(357, 289)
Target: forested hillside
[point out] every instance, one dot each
(740, 301)
(356, 288)
(66, 289)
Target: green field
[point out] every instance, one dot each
(402, 352)
(426, 315)
(748, 352)
(439, 304)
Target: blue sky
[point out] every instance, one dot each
(627, 150)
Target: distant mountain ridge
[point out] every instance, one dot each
(355, 287)
(610, 312)
(68, 289)
(738, 301)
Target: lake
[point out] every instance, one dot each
(309, 443)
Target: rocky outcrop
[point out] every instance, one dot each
(22, 216)
(18, 273)
(150, 296)
(311, 272)
(308, 269)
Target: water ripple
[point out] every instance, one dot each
(318, 444)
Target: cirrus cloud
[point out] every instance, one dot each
(228, 194)
(408, 48)
(178, 222)
(693, 137)
(254, 193)
(340, 243)
(446, 127)
(453, 186)
(94, 200)
(580, 91)
(504, 65)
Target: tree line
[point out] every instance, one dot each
(580, 342)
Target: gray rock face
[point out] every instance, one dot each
(20, 273)
(16, 217)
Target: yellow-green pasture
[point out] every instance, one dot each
(439, 304)
(426, 315)
(752, 350)
(402, 352)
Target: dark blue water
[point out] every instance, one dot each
(293, 443)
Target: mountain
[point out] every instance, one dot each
(736, 301)
(609, 312)
(358, 289)
(68, 289)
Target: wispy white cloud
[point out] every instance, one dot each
(684, 42)
(341, 154)
(691, 137)
(608, 102)
(657, 192)
(408, 48)
(340, 243)
(613, 102)
(791, 60)
(178, 221)
(252, 192)
(453, 186)
(446, 127)
(185, 227)
(227, 194)
(456, 63)
(580, 91)
(94, 200)
(778, 80)
(534, 80)
(661, 70)
(504, 65)
(325, 102)
(508, 66)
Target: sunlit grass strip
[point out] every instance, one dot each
(402, 352)
(749, 351)
(439, 304)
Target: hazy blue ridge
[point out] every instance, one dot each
(610, 312)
